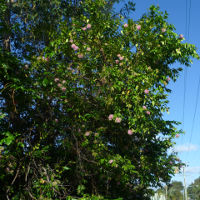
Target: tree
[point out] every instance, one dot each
(176, 190)
(83, 116)
(194, 190)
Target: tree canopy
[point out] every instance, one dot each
(194, 189)
(82, 101)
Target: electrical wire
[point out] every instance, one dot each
(185, 72)
(195, 110)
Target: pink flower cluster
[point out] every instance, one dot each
(163, 30)
(73, 46)
(148, 112)
(181, 36)
(146, 91)
(138, 27)
(88, 49)
(60, 85)
(168, 78)
(80, 55)
(87, 133)
(110, 117)
(125, 25)
(111, 161)
(130, 132)
(144, 107)
(56, 80)
(87, 27)
(120, 57)
(117, 120)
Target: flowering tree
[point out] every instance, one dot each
(93, 104)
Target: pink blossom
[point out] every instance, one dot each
(118, 120)
(148, 112)
(63, 81)
(89, 26)
(59, 85)
(111, 161)
(125, 25)
(84, 28)
(163, 30)
(144, 107)
(177, 135)
(181, 36)
(63, 89)
(168, 78)
(121, 58)
(71, 41)
(130, 132)
(56, 120)
(74, 47)
(88, 49)
(170, 162)
(87, 133)
(56, 80)
(146, 91)
(138, 27)
(117, 61)
(80, 55)
(118, 55)
(110, 117)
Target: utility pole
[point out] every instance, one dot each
(166, 192)
(185, 187)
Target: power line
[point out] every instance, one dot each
(194, 116)
(185, 70)
(190, 5)
(195, 110)
(186, 20)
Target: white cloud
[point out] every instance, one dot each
(186, 148)
(192, 169)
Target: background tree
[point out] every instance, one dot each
(176, 190)
(194, 189)
(83, 107)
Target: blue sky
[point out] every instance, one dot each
(188, 146)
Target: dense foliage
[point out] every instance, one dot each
(194, 189)
(172, 191)
(82, 102)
